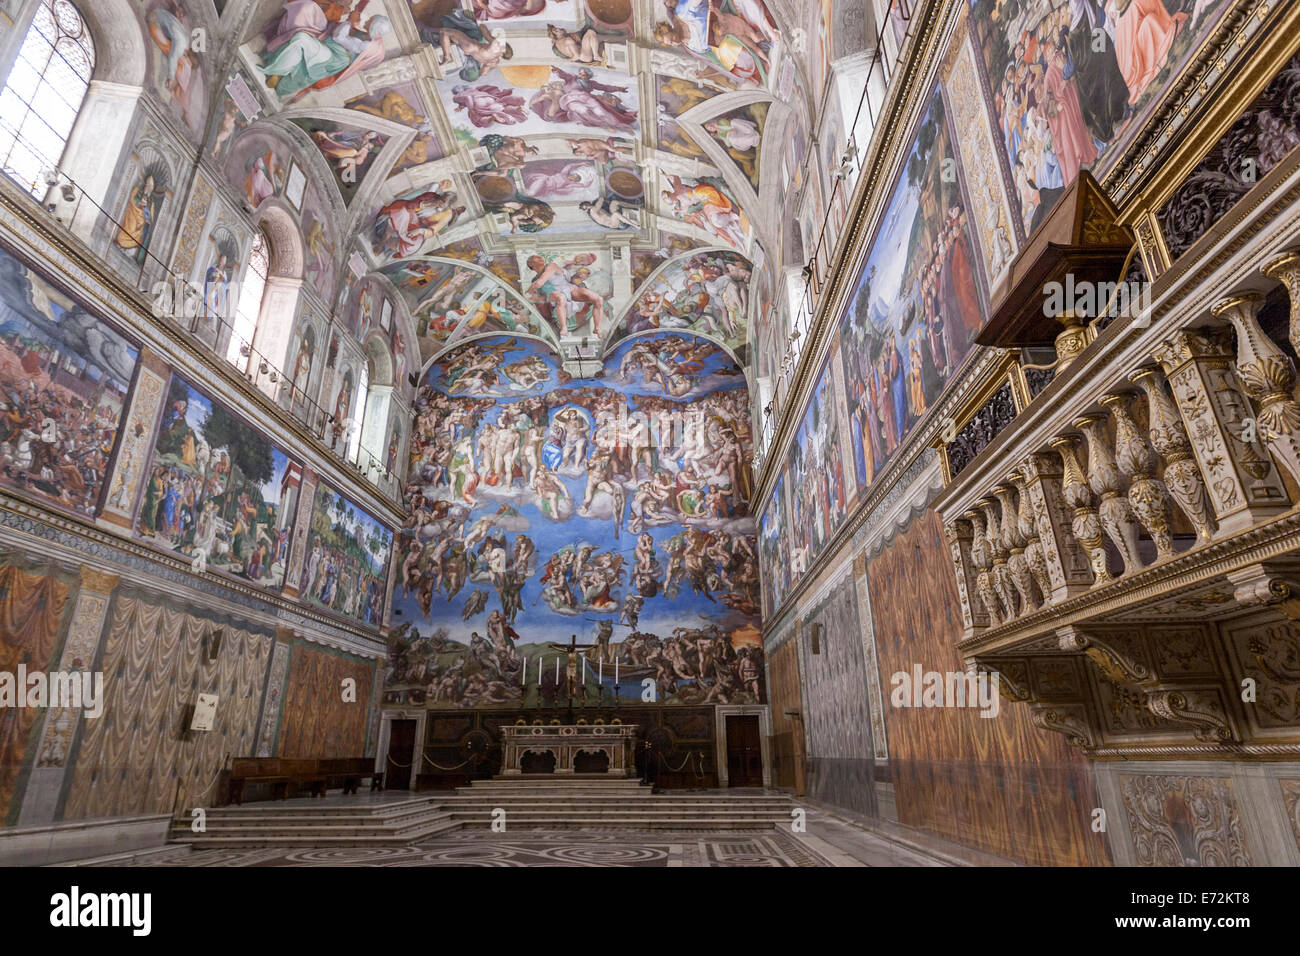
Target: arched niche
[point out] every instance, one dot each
(106, 118)
(279, 307)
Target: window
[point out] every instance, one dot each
(250, 305)
(45, 89)
(359, 420)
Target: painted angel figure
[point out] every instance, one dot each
(739, 44)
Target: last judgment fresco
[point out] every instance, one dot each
(579, 538)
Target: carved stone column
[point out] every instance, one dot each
(1137, 462)
(973, 615)
(1182, 476)
(983, 558)
(1286, 270)
(1027, 523)
(1108, 484)
(1086, 524)
(1268, 376)
(1001, 574)
(1069, 569)
(1015, 542)
(1243, 485)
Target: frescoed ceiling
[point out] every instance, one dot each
(568, 170)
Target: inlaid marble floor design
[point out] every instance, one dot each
(481, 847)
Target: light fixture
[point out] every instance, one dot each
(69, 192)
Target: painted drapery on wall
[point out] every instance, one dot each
(64, 375)
(998, 783)
(31, 609)
(319, 719)
(615, 510)
(132, 758)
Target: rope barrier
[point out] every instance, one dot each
(445, 769)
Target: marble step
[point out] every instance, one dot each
(201, 841)
(321, 822)
(576, 822)
(275, 807)
(310, 833)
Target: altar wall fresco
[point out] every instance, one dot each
(613, 509)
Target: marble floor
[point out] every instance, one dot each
(828, 840)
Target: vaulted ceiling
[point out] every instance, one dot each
(575, 170)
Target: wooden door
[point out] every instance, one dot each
(401, 751)
(744, 753)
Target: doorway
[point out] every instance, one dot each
(401, 751)
(744, 751)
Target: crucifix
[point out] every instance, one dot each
(571, 649)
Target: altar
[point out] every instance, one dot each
(566, 742)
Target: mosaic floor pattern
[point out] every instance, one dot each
(534, 848)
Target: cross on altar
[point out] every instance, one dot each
(571, 669)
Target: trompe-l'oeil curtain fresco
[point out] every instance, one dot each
(31, 607)
(131, 759)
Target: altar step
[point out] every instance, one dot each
(393, 819)
(628, 804)
(396, 822)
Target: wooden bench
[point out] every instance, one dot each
(318, 773)
(348, 772)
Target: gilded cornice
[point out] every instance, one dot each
(1207, 76)
(37, 238)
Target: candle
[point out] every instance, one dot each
(540, 657)
(600, 675)
(557, 670)
(616, 672)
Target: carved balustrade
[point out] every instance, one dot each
(1153, 499)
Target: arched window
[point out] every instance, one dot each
(359, 419)
(250, 305)
(43, 93)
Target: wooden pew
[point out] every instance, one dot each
(318, 773)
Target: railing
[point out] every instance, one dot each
(884, 57)
(315, 416)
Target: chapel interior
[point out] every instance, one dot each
(670, 432)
